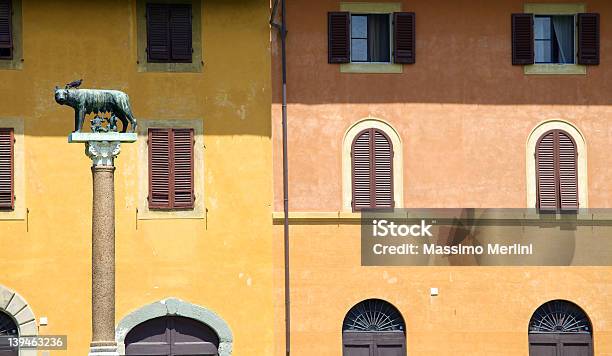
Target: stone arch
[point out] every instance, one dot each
(175, 307)
(15, 306)
(398, 160)
(532, 140)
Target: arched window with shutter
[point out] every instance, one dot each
(372, 170)
(556, 171)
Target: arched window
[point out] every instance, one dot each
(8, 328)
(171, 335)
(375, 328)
(560, 327)
(557, 171)
(372, 170)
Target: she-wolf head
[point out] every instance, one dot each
(61, 95)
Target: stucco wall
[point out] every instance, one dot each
(463, 111)
(464, 115)
(222, 262)
(479, 310)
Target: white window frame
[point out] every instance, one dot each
(367, 8)
(347, 167)
(199, 208)
(534, 136)
(557, 68)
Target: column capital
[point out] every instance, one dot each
(102, 153)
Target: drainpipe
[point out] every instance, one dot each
(282, 28)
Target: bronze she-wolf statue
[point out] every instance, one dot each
(85, 101)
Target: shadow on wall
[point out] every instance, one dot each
(462, 56)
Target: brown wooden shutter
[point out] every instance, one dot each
(522, 39)
(383, 169)
(7, 195)
(568, 171)
(158, 32)
(339, 37)
(546, 172)
(404, 46)
(557, 171)
(6, 36)
(159, 168)
(372, 170)
(361, 153)
(183, 168)
(180, 32)
(171, 168)
(588, 39)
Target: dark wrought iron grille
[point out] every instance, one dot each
(7, 326)
(373, 315)
(559, 316)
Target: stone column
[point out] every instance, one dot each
(102, 155)
(103, 148)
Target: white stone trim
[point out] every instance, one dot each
(18, 308)
(199, 209)
(84, 137)
(398, 160)
(19, 177)
(176, 307)
(371, 7)
(581, 148)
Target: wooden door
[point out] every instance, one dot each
(377, 343)
(560, 344)
(171, 336)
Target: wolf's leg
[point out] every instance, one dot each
(124, 122)
(79, 116)
(132, 121)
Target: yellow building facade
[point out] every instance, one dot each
(214, 259)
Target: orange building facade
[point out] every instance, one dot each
(464, 124)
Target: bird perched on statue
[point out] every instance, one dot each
(75, 84)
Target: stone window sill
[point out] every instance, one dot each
(562, 69)
(371, 68)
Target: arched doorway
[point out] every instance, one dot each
(171, 335)
(186, 313)
(560, 327)
(373, 327)
(8, 328)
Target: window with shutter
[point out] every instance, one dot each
(6, 33)
(7, 197)
(169, 33)
(171, 168)
(555, 34)
(379, 37)
(557, 171)
(372, 170)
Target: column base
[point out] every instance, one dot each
(103, 349)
